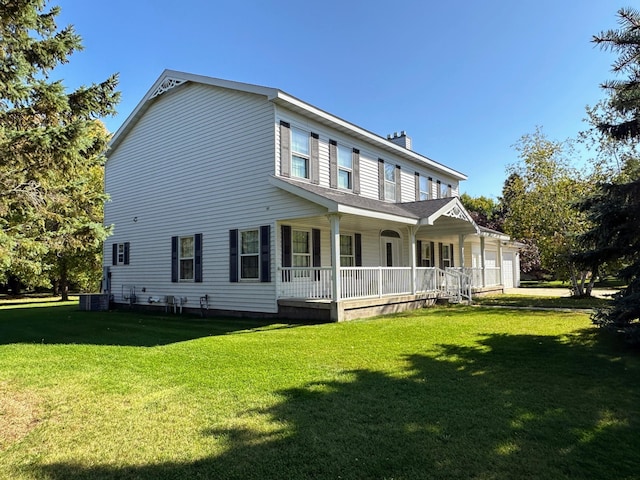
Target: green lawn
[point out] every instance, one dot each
(446, 393)
(538, 301)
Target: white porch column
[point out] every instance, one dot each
(483, 263)
(461, 249)
(413, 229)
(334, 219)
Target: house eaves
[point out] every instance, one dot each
(489, 233)
(298, 106)
(172, 78)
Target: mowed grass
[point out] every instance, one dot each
(445, 393)
(538, 301)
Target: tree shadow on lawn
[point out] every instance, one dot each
(65, 324)
(511, 406)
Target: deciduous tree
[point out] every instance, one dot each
(540, 206)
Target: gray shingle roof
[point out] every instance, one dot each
(417, 210)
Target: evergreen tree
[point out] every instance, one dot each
(624, 94)
(615, 213)
(614, 209)
(51, 142)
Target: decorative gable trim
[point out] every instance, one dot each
(166, 85)
(457, 212)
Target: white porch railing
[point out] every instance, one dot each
(368, 282)
(491, 276)
(363, 282)
(304, 282)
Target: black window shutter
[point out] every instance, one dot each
(286, 251)
(114, 254)
(451, 254)
(233, 255)
(418, 253)
(440, 260)
(314, 160)
(357, 239)
(315, 245)
(333, 164)
(127, 247)
(285, 149)
(197, 273)
(265, 253)
(432, 254)
(381, 179)
(174, 259)
(356, 170)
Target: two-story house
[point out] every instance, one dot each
(240, 199)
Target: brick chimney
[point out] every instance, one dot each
(403, 140)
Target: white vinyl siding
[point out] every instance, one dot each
(368, 159)
(221, 142)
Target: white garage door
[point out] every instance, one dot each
(507, 269)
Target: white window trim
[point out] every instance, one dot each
(305, 156)
(192, 258)
(120, 249)
(446, 259)
(426, 191)
(426, 254)
(241, 255)
(308, 255)
(343, 168)
(353, 250)
(390, 185)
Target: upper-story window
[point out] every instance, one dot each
(444, 190)
(120, 254)
(390, 182)
(299, 153)
(424, 192)
(345, 167)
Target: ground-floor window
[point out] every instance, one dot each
(426, 257)
(347, 251)
(447, 256)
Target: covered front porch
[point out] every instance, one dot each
(365, 257)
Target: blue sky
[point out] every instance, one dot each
(466, 79)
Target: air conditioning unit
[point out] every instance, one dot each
(94, 302)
